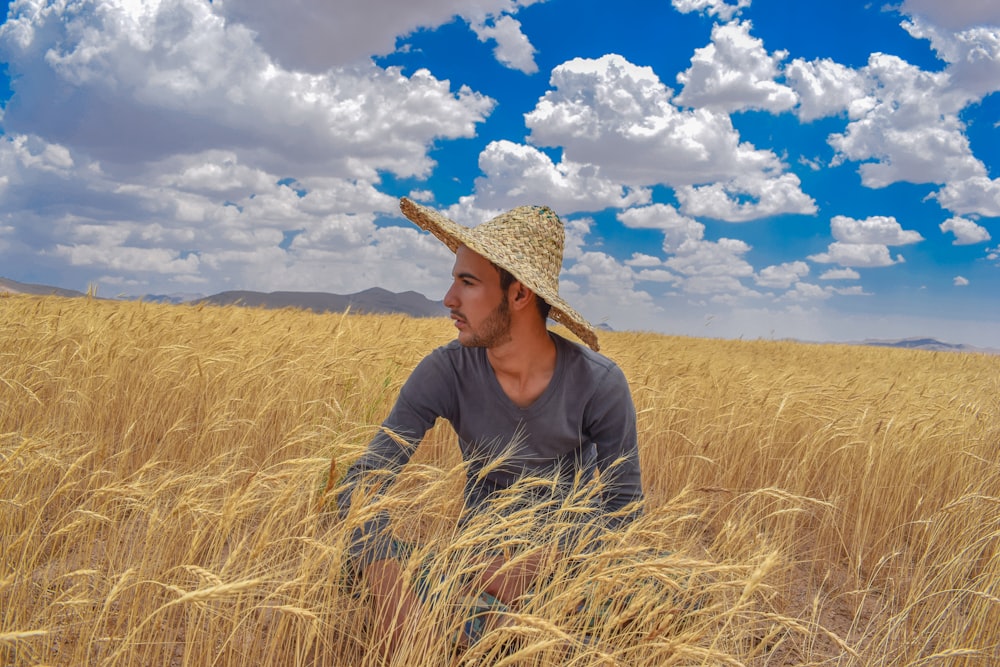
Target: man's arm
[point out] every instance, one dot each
(611, 423)
(387, 453)
(421, 401)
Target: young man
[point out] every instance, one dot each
(523, 400)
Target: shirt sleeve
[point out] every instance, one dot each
(423, 398)
(611, 423)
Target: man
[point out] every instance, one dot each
(523, 400)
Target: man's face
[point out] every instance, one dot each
(477, 304)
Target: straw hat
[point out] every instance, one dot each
(527, 241)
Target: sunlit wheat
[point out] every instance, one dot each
(166, 481)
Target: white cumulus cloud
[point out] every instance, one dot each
(957, 14)
(966, 231)
(807, 292)
(960, 281)
(973, 54)
(619, 115)
(875, 229)
(657, 276)
(314, 35)
(720, 8)
(910, 125)
(514, 174)
(676, 228)
(978, 194)
(840, 274)
(513, 48)
(734, 72)
(604, 286)
(712, 259)
(748, 197)
(826, 88)
(906, 123)
(642, 260)
(864, 243)
(782, 276)
(128, 82)
(857, 255)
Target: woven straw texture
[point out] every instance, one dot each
(527, 241)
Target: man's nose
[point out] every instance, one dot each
(450, 302)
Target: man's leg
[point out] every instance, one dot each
(507, 581)
(397, 605)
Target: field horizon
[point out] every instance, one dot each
(377, 300)
(166, 474)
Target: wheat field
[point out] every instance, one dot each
(166, 484)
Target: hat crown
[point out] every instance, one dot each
(533, 239)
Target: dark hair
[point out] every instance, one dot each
(507, 279)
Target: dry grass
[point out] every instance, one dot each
(163, 470)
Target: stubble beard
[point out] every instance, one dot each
(495, 329)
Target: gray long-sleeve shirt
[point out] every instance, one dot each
(584, 421)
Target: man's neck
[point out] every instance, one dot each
(524, 365)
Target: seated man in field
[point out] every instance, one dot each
(510, 388)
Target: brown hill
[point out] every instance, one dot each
(374, 300)
(14, 287)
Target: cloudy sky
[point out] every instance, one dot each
(824, 170)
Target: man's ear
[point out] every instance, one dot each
(519, 295)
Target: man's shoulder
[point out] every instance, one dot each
(455, 356)
(453, 348)
(582, 356)
(440, 369)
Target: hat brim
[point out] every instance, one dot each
(454, 235)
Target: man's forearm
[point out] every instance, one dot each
(507, 580)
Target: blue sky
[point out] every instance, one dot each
(825, 170)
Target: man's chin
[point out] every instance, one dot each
(467, 340)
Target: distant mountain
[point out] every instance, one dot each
(14, 287)
(374, 300)
(926, 344)
(182, 297)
